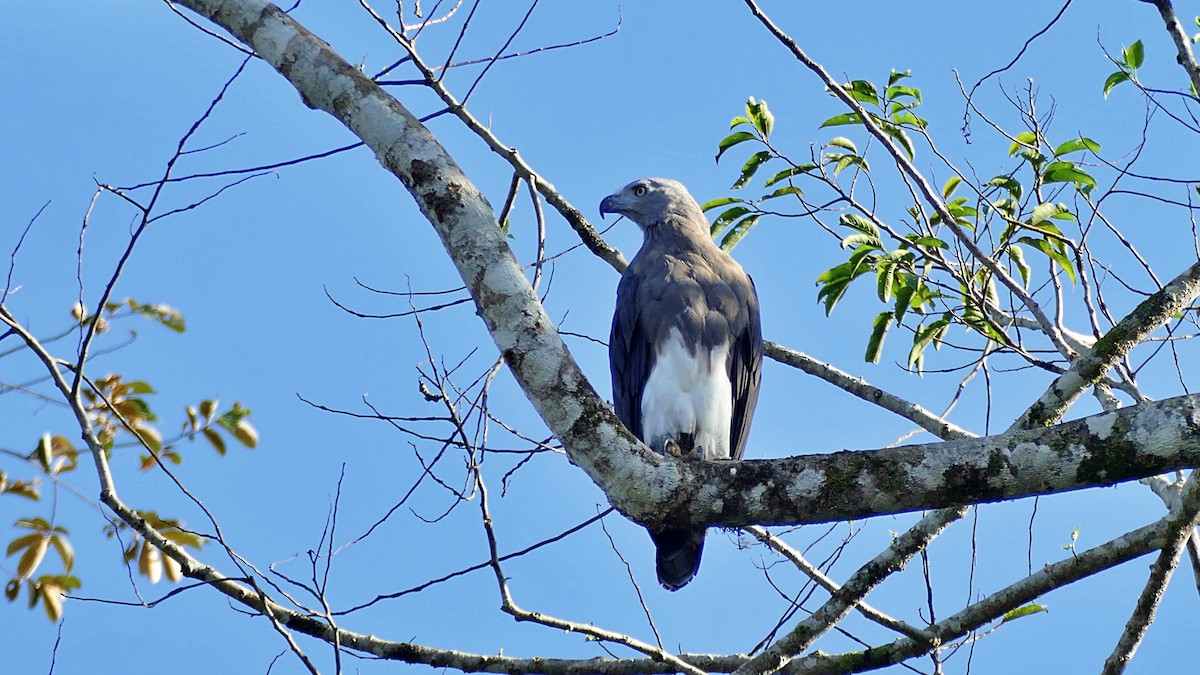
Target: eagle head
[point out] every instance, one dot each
(648, 200)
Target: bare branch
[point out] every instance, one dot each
(1109, 349)
(859, 387)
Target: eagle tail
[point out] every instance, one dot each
(678, 556)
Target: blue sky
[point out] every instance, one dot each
(103, 93)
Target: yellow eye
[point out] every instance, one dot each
(639, 190)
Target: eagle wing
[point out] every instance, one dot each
(745, 367)
(630, 355)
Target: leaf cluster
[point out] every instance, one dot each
(919, 266)
(120, 413)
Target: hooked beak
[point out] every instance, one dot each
(608, 205)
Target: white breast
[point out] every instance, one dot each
(689, 393)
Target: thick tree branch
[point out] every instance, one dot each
(1112, 447)
(1183, 43)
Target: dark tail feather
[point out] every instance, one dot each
(678, 556)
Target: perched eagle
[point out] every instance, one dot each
(686, 346)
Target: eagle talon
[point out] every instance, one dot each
(672, 448)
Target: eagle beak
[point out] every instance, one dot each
(608, 205)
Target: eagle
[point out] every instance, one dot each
(685, 349)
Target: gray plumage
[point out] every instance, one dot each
(686, 346)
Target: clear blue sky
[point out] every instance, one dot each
(103, 93)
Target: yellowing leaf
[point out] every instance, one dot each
(208, 409)
(65, 550)
(150, 436)
(213, 437)
(53, 596)
(150, 562)
(247, 434)
(33, 557)
(172, 569)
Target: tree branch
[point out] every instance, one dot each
(859, 387)
(1110, 554)
(1182, 525)
(1086, 370)
(1183, 43)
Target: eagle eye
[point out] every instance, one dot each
(639, 190)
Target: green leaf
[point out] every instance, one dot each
(1134, 55)
(923, 337)
(726, 218)
(785, 190)
(859, 239)
(1113, 80)
(21, 542)
(835, 281)
(248, 435)
(859, 223)
(910, 119)
(928, 242)
(720, 201)
(739, 121)
(732, 140)
(842, 162)
(844, 143)
(885, 278)
(1055, 253)
(842, 120)
(862, 91)
(1024, 610)
(879, 330)
(1075, 145)
(164, 314)
(904, 296)
(756, 160)
(1066, 172)
(1017, 255)
(901, 138)
(65, 550)
(1023, 140)
(1046, 210)
(730, 240)
(898, 75)
(788, 173)
(950, 186)
(760, 116)
(208, 408)
(899, 91)
(1010, 184)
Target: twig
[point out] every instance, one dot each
(813, 572)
